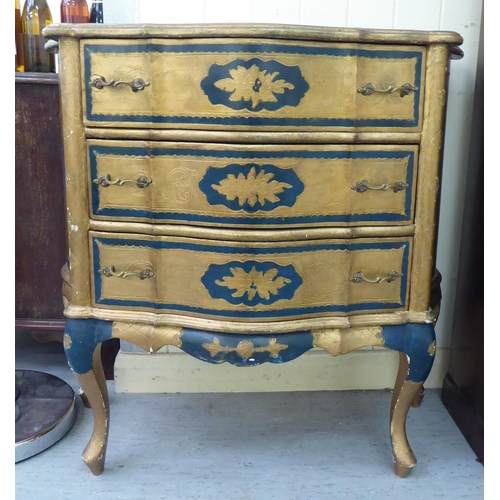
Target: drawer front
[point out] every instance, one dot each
(252, 186)
(216, 84)
(290, 280)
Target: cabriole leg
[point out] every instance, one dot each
(82, 344)
(416, 344)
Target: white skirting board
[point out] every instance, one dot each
(316, 370)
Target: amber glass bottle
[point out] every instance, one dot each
(97, 12)
(36, 15)
(74, 11)
(19, 39)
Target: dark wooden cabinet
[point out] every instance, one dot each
(463, 386)
(40, 232)
(40, 225)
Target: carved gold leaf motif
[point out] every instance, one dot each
(148, 337)
(252, 189)
(245, 348)
(253, 85)
(254, 282)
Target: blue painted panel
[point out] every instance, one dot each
(85, 335)
(290, 346)
(292, 90)
(415, 341)
(284, 279)
(290, 184)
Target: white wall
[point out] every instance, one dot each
(463, 16)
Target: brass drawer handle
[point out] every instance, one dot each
(106, 181)
(99, 82)
(405, 89)
(360, 278)
(363, 186)
(112, 272)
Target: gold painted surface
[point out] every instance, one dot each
(77, 272)
(241, 235)
(245, 348)
(253, 283)
(430, 164)
(328, 183)
(432, 349)
(275, 327)
(341, 341)
(148, 337)
(256, 30)
(175, 79)
(237, 85)
(94, 454)
(178, 276)
(66, 285)
(253, 188)
(403, 456)
(127, 258)
(67, 343)
(255, 137)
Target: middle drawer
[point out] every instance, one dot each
(252, 186)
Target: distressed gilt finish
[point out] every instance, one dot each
(75, 175)
(338, 182)
(429, 186)
(222, 280)
(201, 75)
(256, 206)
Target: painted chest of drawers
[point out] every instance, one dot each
(249, 192)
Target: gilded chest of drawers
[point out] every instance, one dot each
(249, 192)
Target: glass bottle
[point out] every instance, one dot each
(74, 11)
(19, 39)
(36, 15)
(96, 12)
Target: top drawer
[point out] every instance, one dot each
(245, 84)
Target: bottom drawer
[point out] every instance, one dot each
(241, 281)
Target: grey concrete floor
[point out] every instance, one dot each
(293, 445)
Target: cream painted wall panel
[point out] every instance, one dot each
(173, 12)
(275, 11)
(121, 12)
(227, 11)
(146, 11)
(321, 13)
(465, 18)
(314, 371)
(421, 15)
(462, 14)
(370, 14)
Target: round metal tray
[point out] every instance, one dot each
(45, 412)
